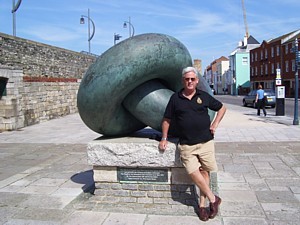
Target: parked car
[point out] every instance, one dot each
(249, 99)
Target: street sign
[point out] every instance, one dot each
(278, 74)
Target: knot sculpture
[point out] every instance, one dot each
(129, 85)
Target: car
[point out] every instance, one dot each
(249, 99)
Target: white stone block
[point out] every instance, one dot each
(105, 174)
(132, 152)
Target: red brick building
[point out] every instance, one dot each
(274, 58)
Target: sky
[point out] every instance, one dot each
(208, 29)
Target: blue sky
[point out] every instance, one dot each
(209, 29)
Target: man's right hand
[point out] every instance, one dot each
(163, 145)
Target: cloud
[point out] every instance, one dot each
(51, 33)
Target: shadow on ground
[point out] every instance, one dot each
(85, 178)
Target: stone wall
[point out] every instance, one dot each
(43, 81)
(41, 60)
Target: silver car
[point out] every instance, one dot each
(249, 99)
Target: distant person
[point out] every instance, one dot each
(260, 100)
(189, 109)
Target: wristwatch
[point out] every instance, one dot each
(163, 139)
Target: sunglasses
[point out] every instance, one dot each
(188, 79)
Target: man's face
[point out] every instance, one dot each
(190, 80)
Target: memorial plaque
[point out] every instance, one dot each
(142, 175)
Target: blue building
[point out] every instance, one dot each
(238, 82)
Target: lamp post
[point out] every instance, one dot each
(297, 62)
(129, 27)
(13, 11)
(90, 36)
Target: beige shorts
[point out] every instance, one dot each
(198, 156)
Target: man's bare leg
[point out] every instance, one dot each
(201, 181)
(206, 177)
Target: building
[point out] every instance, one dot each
(238, 81)
(273, 59)
(214, 73)
(198, 65)
(220, 78)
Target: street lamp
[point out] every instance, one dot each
(13, 11)
(129, 27)
(90, 36)
(297, 65)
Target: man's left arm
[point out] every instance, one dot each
(218, 118)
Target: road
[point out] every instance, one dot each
(238, 100)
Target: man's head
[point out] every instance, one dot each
(190, 78)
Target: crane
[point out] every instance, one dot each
(245, 19)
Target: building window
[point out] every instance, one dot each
(277, 50)
(245, 61)
(256, 71)
(273, 68)
(255, 56)
(277, 66)
(286, 49)
(266, 53)
(261, 54)
(266, 69)
(292, 48)
(252, 57)
(272, 51)
(261, 70)
(293, 66)
(286, 66)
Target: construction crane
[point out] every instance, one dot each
(245, 19)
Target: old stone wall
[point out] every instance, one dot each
(41, 60)
(43, 81)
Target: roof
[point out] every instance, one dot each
(286, 37)
(251, 40)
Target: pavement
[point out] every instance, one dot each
(45, 178)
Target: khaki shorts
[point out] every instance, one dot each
(200, 155)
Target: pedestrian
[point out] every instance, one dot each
(189, 110)
(260, 100)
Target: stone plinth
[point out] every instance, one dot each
(108, 156)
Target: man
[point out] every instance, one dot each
(189, 109)
(259, 100)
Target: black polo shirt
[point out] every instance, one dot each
(192, 121)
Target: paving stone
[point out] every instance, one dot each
(238, 196)
(239, 168)
(53, 215)
(241, 209)
(6, 213)
(295, 189)
(48, 182)
(46, 202)
(178, 220)
(85, 217)
(11, 199)
(234, 186)
(30, 222)
(258, 184)
(275, 197)
(244, 221)
(38, 190)
(275, 173)
(124, 219)
(224, 177)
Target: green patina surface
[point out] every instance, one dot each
(129, 85)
